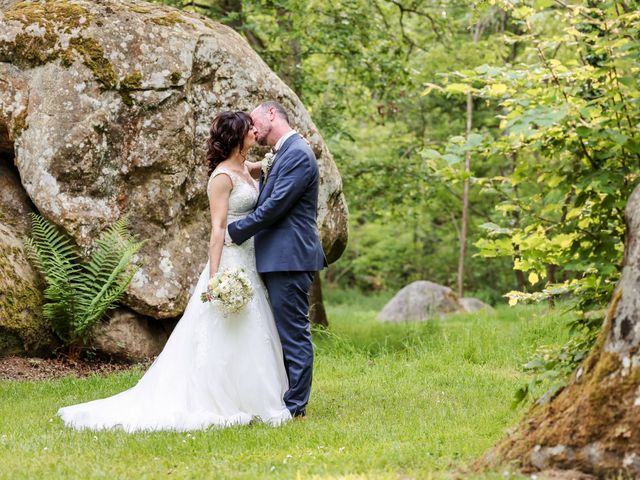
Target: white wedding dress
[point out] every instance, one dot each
(214, 370)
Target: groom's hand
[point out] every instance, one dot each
(289, 185)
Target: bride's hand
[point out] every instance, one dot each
(254, 169)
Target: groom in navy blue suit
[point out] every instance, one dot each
(288, 248)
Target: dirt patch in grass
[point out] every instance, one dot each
(19, 368)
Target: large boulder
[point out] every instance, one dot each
(106, 106)
(421, 300)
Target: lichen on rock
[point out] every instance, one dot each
(43, 24)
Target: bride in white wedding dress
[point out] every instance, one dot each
(215, 370)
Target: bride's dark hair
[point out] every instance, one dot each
(227, 132)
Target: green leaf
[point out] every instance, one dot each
(494, 229)
(458, 88)
(473, 140)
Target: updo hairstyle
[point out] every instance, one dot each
(226, 133)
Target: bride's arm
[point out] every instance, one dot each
(219, 192)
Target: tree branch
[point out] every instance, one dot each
(403, 9)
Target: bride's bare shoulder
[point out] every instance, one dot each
(220, 180)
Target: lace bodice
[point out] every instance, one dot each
(243, 197)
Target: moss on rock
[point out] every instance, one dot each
(64, 13)
(167, 20)
(20, 123)
(53, 18)
(30, 49)
(143, 10)
(22, 324)
(35, 47)
(93, 57)
(129, 84)
(175, 77)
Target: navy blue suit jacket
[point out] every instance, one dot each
(284, 221)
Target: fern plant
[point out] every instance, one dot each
(77, 293)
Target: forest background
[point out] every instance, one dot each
(489, 146)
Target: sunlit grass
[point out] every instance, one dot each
(389, 401)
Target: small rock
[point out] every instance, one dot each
(128, 335)
(471, 304)
(419, 301)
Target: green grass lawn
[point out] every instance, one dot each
(389, 401)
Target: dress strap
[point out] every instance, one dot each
(220, 170)
(225, 170)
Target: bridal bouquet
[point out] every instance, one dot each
(266, 164)
(230, 290)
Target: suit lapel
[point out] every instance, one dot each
(283, 150)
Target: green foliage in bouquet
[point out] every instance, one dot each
(77, 293)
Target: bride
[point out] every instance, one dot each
(215, 370)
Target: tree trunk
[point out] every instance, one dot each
(551, 279)
(289, 69)
(465, 192)
(521, 281)
(317, 313)
(592, 425)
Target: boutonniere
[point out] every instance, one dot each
(266, 163)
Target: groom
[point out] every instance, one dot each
(288, 248)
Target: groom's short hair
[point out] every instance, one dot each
(277, 107)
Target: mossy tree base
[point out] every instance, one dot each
(593, 424)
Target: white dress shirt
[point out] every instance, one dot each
(283, 139)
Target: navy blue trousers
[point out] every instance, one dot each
(289, 296)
